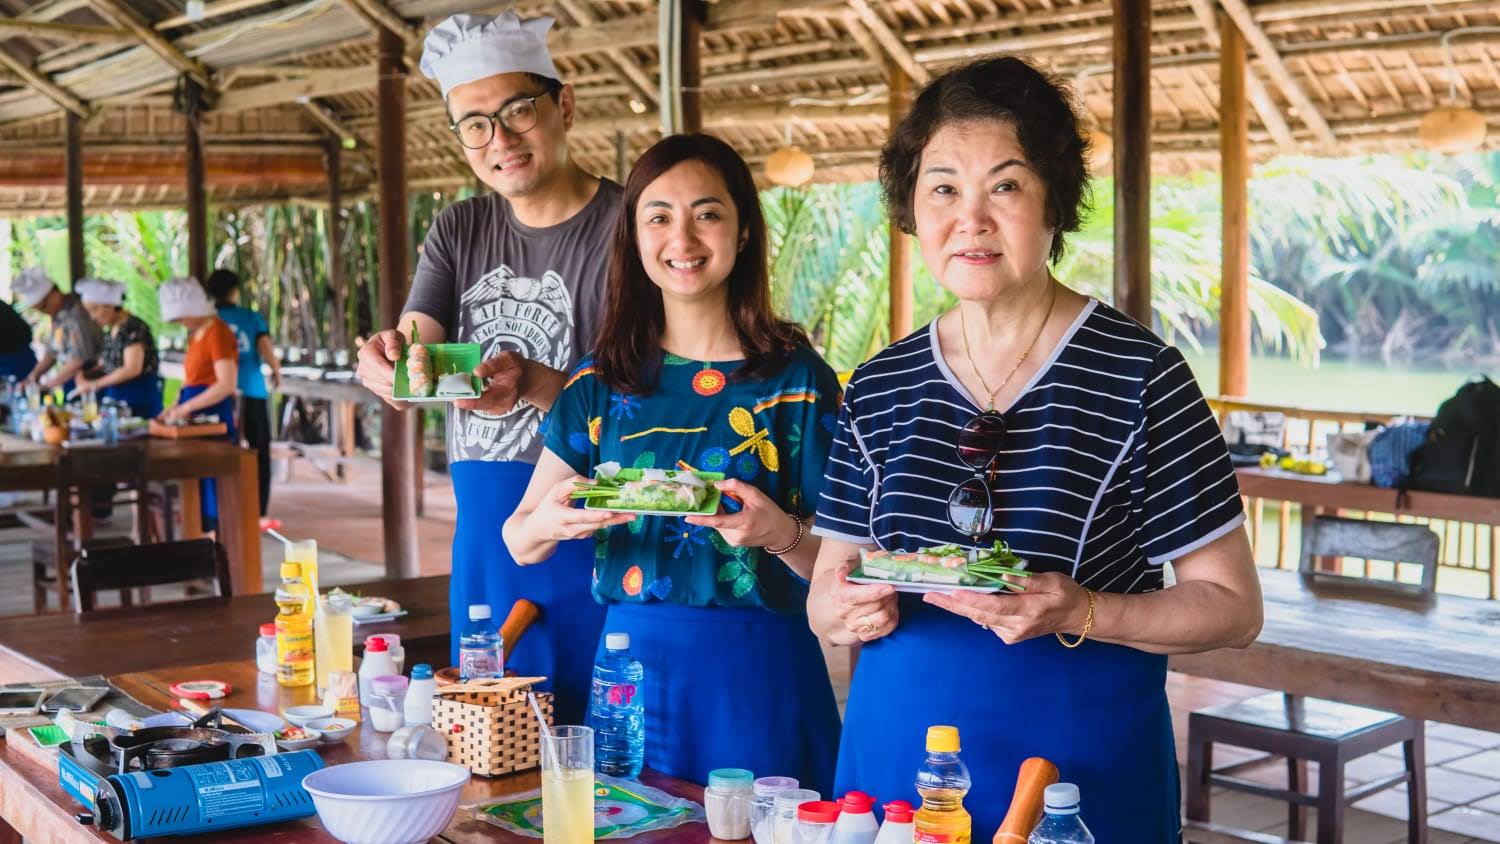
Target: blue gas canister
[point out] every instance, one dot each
(202, 798)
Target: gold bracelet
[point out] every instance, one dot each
(795, 542)
(1088, 624)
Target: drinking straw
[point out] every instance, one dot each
(536, 709)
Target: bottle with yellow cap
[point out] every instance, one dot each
(294, 631)
(943, 780)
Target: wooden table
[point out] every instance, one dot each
(203, 630)
(29, 466)
(1436, 659)
(36, 807)
(1317, 495)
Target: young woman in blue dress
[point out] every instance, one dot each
(1033, 415)
(692, 368)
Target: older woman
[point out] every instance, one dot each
(126, 369)
(1033, 415)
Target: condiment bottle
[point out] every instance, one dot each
(815, 820)
(728, 797)
(418, 706)
(897, 828)
(265, 649)
(856, 824)
(377, 662)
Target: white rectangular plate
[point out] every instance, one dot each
(372, 619)
(923, 588)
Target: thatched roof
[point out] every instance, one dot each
(1339, 76)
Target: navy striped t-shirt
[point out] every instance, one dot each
(1112, 463)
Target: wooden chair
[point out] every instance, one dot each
(138, 566)
(1303, 729)
(84, 474)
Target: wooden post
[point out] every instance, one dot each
(333, 161)
(74, 165)
(622, 157)
(197, 194)
(902, 303)
(419, 465)
(1132, 136)
(1234, 149)
(398, 488)
(692, 66)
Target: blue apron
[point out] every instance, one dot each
(560, 644)
(18, 364)
(1099, 712)
(225, 411)
(732, 687)
(142, 394)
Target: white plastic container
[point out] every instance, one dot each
(386, 801)
(377, 662)
(727, 800)
(387, 696)
(418, 704)
(899, 826)
(856, 823)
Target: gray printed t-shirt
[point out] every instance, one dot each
(489, 279)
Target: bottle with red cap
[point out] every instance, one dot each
(815, 820)
(377, 662)
(856, 824)
(899, 823)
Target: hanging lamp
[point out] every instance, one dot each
(1453, 128)
(790, 166)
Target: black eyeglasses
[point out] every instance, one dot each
(518, 116)
(971, 506)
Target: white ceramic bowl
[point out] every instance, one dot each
(306, 714)
(333, 729)
(298, 744)
(386, 801)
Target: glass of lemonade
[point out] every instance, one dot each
(568, 785)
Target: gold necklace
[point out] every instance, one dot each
(964, 329)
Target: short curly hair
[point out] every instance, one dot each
(1039, 106)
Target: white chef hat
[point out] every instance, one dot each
(97, 291)
(32, 286)
(182, 298)
(464, 48)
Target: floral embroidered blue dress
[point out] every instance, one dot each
(734, 677)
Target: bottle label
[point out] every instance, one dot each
(932, 838)
(621, 695)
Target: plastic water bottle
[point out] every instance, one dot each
(943, 780)
(617, 711)
(479, 648)
(1061, 824)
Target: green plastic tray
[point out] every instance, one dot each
(709, 506)
(446, 358)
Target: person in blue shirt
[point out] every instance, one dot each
(254, 338)
(692, 369)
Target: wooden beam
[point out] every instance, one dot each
(210, 11)
(323, 117)
(398, 493)
(1132, 158)
(1234, 150)
(66, 32)
(890, 42)
(197, 197)
(1290, 88)
(155, 41)
(73, 158)
(902, 290)
(317, 83)
(46, 87)
(384, 17)
(1270, 114)
(642, 84)
(691, 76)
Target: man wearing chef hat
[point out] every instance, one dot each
(520, 271)
(72, 339)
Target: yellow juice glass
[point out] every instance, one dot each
(568, 786)
(333, 636)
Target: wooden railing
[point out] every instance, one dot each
(1469, 549)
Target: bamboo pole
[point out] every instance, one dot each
(1234, 150)
(197, 197)
(1132, 137)
(74, 166)
(397, 462)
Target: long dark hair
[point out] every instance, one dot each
(627, 350)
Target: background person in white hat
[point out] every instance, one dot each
(126, 369)
(521, 272)
(73, 338)
(209, 371)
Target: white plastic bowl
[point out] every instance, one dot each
(386, 801)
(306, 713)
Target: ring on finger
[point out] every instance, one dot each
(868, 627)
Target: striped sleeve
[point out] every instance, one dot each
(1191, 494)
(848, 484)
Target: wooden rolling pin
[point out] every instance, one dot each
(523, 614)
(1026, 804)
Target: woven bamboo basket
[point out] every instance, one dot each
(489, 725)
